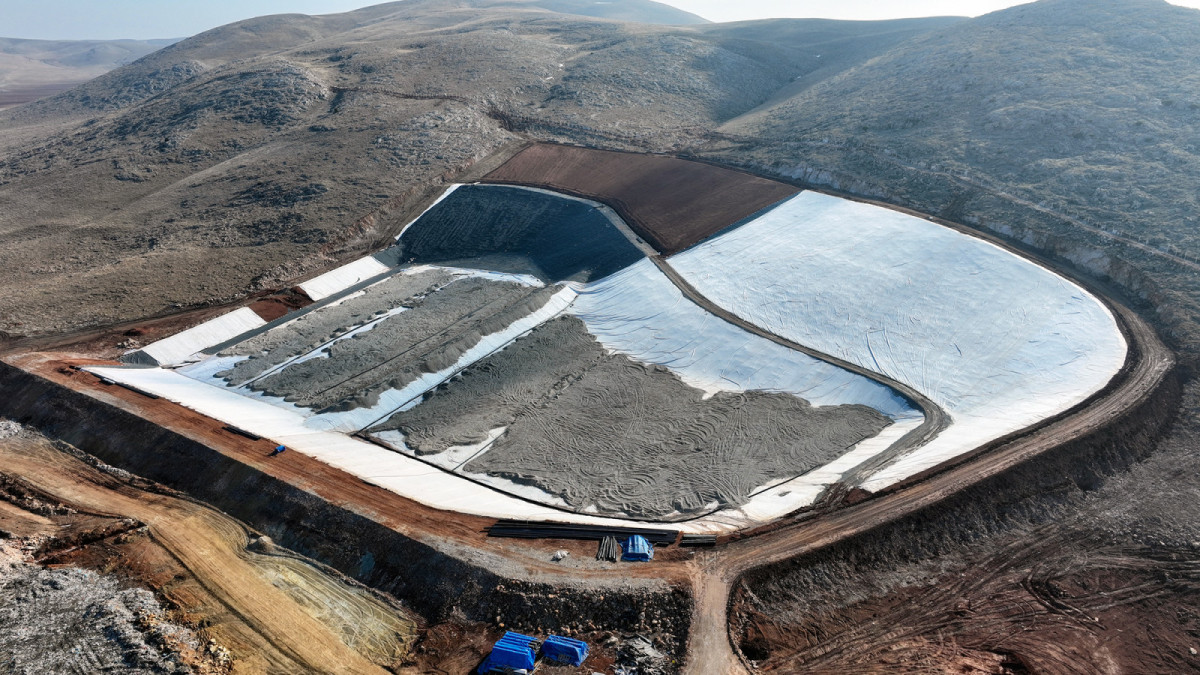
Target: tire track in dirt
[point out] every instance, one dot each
(611, 435)
(295, 612)
(1150, 362)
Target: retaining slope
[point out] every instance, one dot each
(437, 578)
(1031, 491)
(672, 203)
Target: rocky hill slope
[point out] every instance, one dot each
(31, 69)
(1059, 120)
(24, 62)
(250, 154)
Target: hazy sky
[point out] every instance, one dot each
(110, 19)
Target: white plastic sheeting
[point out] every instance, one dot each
(337, 280)
(350, 421)
(996, 340)
(395, 399)
(180, 347)
(390, 470)
(639, 312)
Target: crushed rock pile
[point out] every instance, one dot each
(77, 621)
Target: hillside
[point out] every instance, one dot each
(30, 69)
(1062, 118)
(249, 155)
(1075, 118)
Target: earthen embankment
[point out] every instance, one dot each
(436, 577)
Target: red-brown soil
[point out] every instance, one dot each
(277, 304)
(327, 482)
(671, 203)
(198, 593)
(1038, 604)
(715, 572)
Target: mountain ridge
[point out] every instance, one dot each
(275, 138)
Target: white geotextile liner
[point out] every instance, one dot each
(996, 340)
(390, 470)
(338, 280)
(389, 401)
(639, 312)
(350, 421)
(179, 347)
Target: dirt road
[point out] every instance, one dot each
(1149, 363)
(936, 419)
(709, 641)
(291, 616)
(709, 649)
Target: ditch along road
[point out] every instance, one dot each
(712, 575)
(710, 648)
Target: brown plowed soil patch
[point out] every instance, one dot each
(276, 305)
(671, 203)
(1050, 602)
(18, 95)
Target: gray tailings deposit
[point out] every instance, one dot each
(433, 334)
(603, 431)
(313, 330)
(76, 621)
(553, 238)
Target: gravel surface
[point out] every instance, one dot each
(605, 432)
(313, 330)
(76, 621)
(428, 337)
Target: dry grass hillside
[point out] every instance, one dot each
(31, 69)
(1071, 124)
(251, 155)
(246, 156)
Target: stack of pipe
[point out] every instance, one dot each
(609, 549)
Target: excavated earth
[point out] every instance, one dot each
(229, 590)
(430, 336)
(315, 329)
(223, 209)
(72, 620)
(613, 436)
(441, 566)
(672, 203)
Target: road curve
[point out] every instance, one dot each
(936, 419)
(1148, 364)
